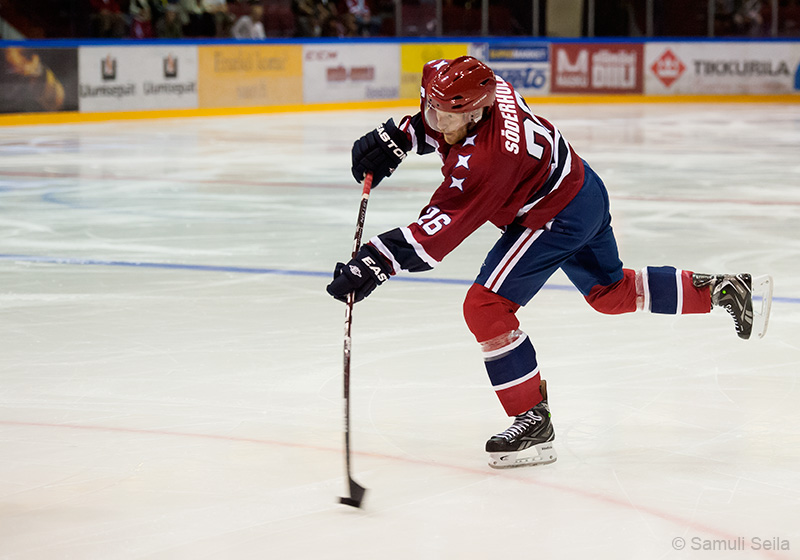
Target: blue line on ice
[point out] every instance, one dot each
(258, 270)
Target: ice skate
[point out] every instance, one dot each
(747, 300)
(529, 440)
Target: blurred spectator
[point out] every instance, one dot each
(305, 17)
(790, 22)
(191, 13)
(220, 18)
(141, 19)
(361, 20)
(738, 17)
(250, 26)
(747, 19)
(107, 19)
(170, 26)
(319, 18)
(331, 25)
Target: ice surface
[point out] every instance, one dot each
(170, 364)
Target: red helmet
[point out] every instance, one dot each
(464, 85)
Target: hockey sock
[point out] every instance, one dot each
(510, 361)
(665, 289)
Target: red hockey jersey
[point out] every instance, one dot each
(513, 167)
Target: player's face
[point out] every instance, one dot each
(452, 125)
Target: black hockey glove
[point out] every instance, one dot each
(379, 151)
(361, 275)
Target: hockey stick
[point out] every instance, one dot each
(356, 490)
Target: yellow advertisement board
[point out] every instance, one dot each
(250, 75)
(414, 56)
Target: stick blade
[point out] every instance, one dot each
(356, 495)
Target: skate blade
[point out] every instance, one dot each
(542, 454)
(762, 304)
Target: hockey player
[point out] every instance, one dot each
(505, 165)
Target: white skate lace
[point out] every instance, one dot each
(729, 309)
(522, 423)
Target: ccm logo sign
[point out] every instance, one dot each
(321, 55)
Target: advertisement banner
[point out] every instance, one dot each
(334, 72)
(602, 68)
(414, 56)
(250, 75)
(36, 80)
(116, 78)
(526, 66)
(722, 68)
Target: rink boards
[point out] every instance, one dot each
(157, 76)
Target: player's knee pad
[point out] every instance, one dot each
(616, 298)
(487, 314)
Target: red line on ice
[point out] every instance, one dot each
(594, 496)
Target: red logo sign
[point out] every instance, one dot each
(605, 68)
(668, 68)
(355, 74)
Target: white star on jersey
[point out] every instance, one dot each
(470, 140)
(457, 184)
(463, 161)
